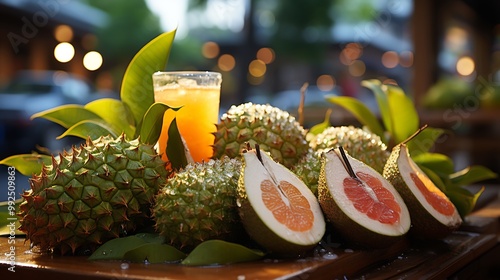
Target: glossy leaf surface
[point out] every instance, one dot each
(137, 85)
(217, 252)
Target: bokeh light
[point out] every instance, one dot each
(350, 53)
(257, 68)
(390, 59)
(465, 66)
(226, 62)
(266, 55)
(357, 68)
(325, 82)
(63, 33)
(210, 49)
(406, 59)
(92, 60)
(64, 52)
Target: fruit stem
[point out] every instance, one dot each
(347, 164)
(300, 110)
(414, 134)
(257, 150)
(271, 174)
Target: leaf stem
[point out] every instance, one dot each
(300, 110)
(414, 134)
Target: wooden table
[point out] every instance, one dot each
(405, 260)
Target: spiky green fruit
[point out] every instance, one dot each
(360, 144)
(308, 170)
(199, 203)
(91, 194)
(275, 130)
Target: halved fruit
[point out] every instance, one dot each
(277, 209)
(360, 204)
(433, 215)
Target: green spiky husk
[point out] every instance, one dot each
(360, 144)
(308, 170)
(199, 203)
(91, 194)
(275, 130)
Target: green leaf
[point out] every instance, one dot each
(472, 174)
(90, 128)
(382, 101)
(317, 129)
(438, 163)
(28, 164)
(67, 115)
(154, 253)
(115, 113)
(463, 199)
(115, 249)
(151, 237)
(360, 111)
(152, 122)
(137, 85)
(404, 116)
(8, 209)
(217, 252)
(176, 149)
(424, 141)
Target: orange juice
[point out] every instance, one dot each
(195, 120)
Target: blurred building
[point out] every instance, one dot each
(31, 31)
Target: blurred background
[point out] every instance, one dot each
(444, 54)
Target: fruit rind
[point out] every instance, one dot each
(262, 227)
(354, 226)
(424, 224)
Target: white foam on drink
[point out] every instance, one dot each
(187, 83)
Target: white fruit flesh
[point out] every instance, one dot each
(407, 166)
(336, 172)
(255, 173)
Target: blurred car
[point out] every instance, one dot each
(30, 92)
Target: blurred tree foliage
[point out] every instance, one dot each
(131, 25)
(303, 28)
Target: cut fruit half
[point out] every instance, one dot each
(277, 209)
(361, 205)
(433, 215)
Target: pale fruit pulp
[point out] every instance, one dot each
(195, 120)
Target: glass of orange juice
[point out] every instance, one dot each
(198, 92)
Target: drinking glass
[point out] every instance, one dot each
(198, 92)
